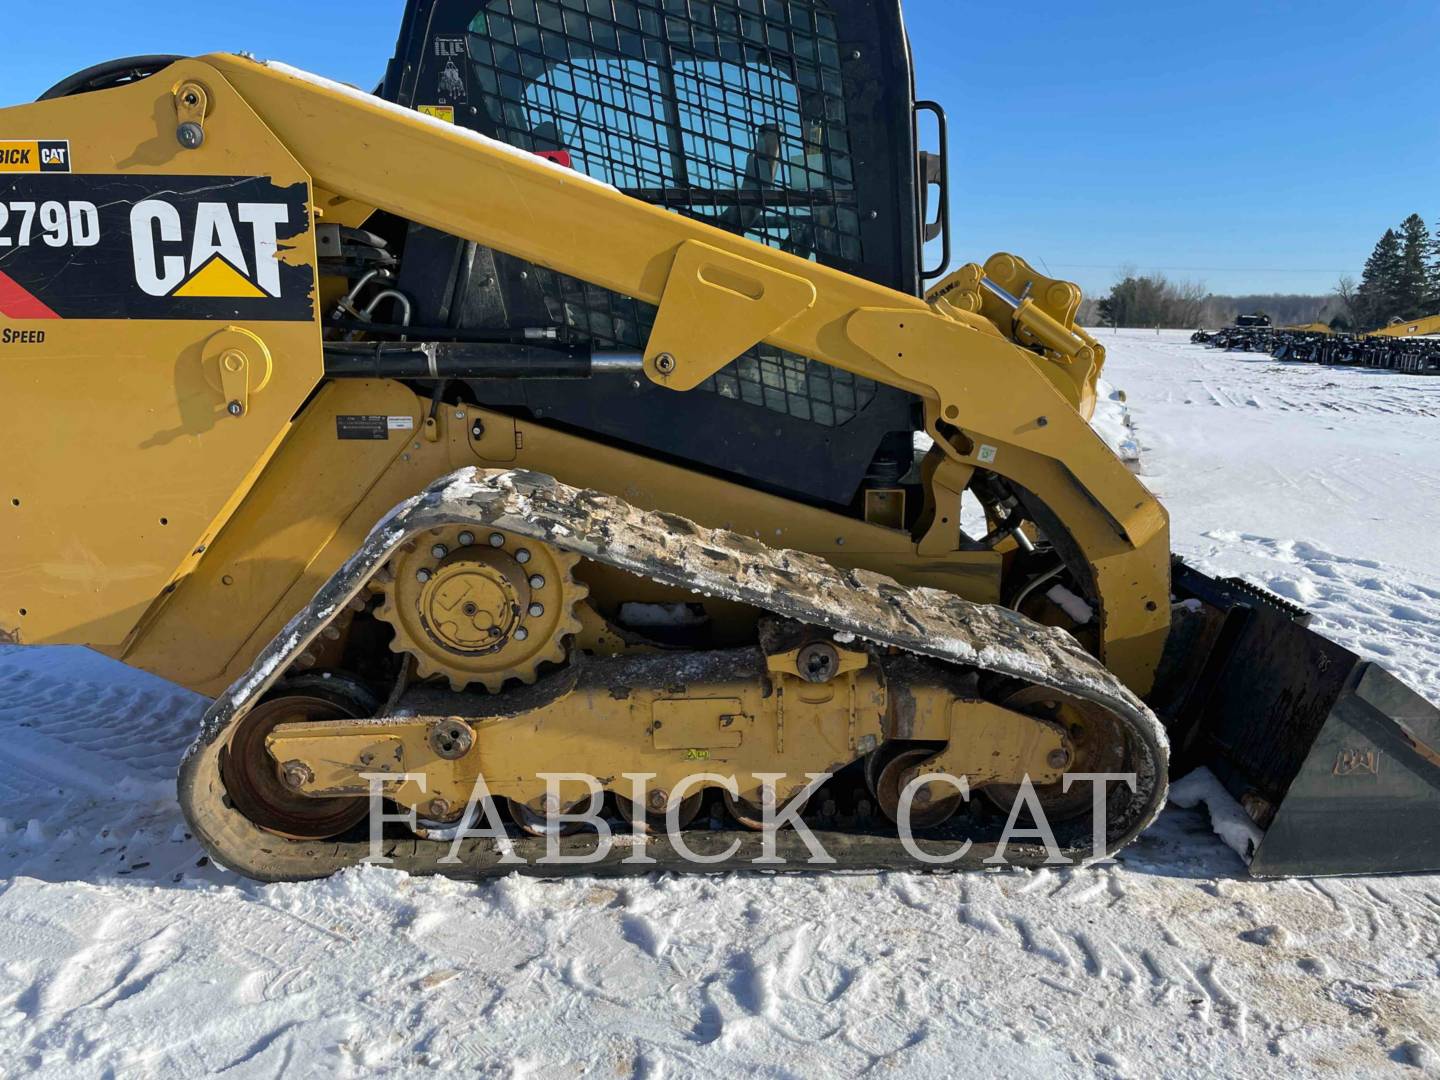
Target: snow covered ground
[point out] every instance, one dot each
(122, 953)
(1322, 484)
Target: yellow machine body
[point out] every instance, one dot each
(185, 493)
(198, 484)
(1430, 324)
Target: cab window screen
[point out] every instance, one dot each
(731, 112)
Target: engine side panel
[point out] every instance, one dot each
(157, 334)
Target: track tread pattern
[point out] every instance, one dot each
(708, 562)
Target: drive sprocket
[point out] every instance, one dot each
(480, 605)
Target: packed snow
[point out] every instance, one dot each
(1321, 484)
(1113, 421)
(1201, 787)
(123, 952)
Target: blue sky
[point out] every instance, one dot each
(1253, 147)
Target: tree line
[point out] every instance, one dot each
(1401, 279)
(1400, 282)
(1154, 300)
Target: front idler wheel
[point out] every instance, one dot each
(263, 789)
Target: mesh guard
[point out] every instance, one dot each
(732, 113)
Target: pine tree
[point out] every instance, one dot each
(1413, 276)
(1378, 296)
(1432, 305)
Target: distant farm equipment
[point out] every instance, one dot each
(1417, 355)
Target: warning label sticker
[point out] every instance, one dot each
(371, 427)
(361, 427)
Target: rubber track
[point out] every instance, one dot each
(708, 562)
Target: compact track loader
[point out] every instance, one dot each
(581, 404)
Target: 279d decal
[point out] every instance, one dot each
(164, 247)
